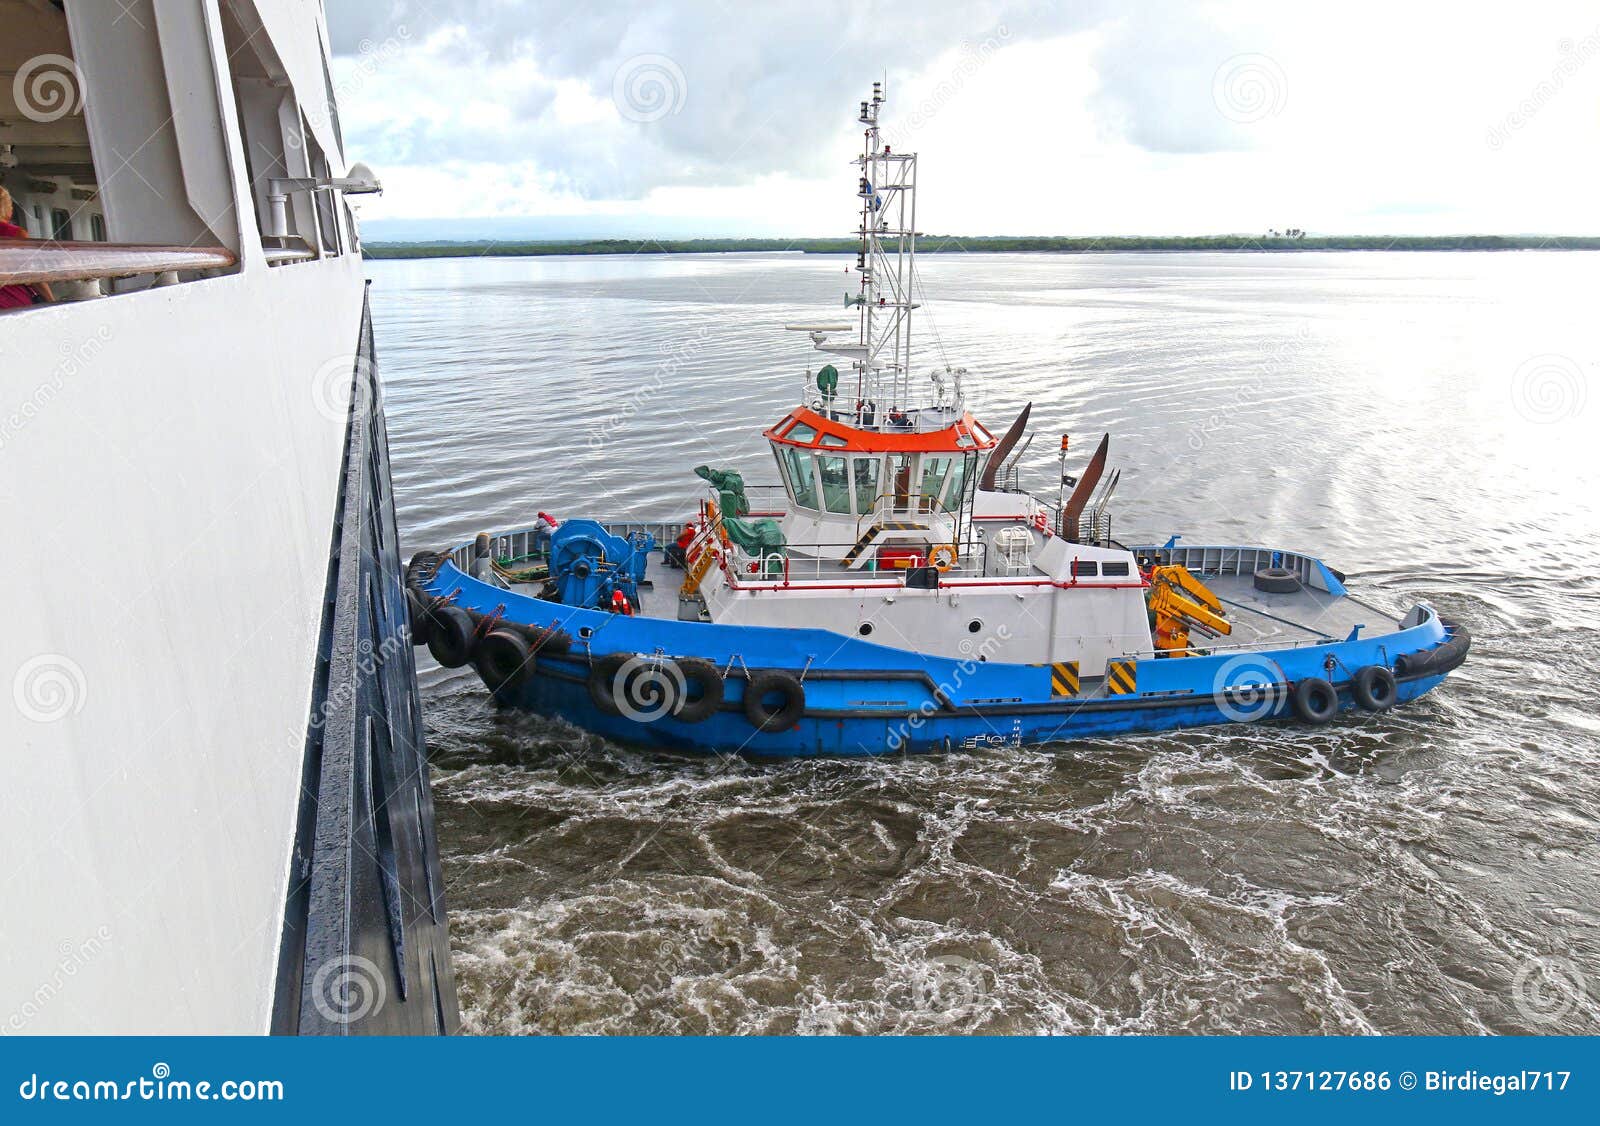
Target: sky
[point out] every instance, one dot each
(536, 119)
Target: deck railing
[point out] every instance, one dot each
(36, 262)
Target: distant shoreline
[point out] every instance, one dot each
(951, 244)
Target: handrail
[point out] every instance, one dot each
(32, 262)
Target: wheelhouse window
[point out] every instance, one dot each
(867, 471)
(801, 489)
(953, 499)
(835, 478)
(934, 471)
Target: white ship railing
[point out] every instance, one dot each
(35, 262)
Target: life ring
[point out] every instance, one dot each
(697, 709)
(450, 636)
(1315, 700)
(764, 717)
(1277, 580)
(602, 681)
(1375, 688)
(503, 659)
(942, 557)
(417, 618)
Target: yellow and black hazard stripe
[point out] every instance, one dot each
(1122, 677)
(1064, 678)
(877, 529)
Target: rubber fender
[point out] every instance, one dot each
(602, 678)
(1277, 580)
(695, 670)
(769, 718)
(450, 636)
(417, 618)
(1445, 657)
(503, 659)
(1315, 700)
(1374, 688)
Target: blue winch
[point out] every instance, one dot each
(590, 565)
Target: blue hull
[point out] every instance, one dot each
(729, 732)
(866, 699)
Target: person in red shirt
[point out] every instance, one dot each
(676, 555)
(17, 296)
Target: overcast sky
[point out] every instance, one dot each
(525, 117)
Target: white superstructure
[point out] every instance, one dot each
(172, 432)
(898, 519)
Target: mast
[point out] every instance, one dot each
(884, 261)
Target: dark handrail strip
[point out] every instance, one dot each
(30, 261)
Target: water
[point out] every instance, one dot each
(1423, 421)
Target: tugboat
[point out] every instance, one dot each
(898, 591)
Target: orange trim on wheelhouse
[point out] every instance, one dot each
(965, 435)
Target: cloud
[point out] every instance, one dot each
(1160, 117)
(753, 89)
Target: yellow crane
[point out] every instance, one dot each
(1179, 602)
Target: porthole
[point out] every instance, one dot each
(864, 629)
(974, 626)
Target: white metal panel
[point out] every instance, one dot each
(297, 33)
(168, 501)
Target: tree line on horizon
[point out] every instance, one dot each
(946, 244)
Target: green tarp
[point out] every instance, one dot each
(755, 537)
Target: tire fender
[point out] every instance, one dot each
(764, 717)
(696, 670)
(602, 678)
(1374, 688)
(502, 659)
(1315, 700)
(450, 636)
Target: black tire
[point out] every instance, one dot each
(1277, 580)
(1315, 700)
(418, 619)
(450, 636)
(763, 716)
(502, 659)
(602, 677)
(690, 709)
(1375, 689)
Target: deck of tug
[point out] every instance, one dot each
(1260, 620)
(1274, 621)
